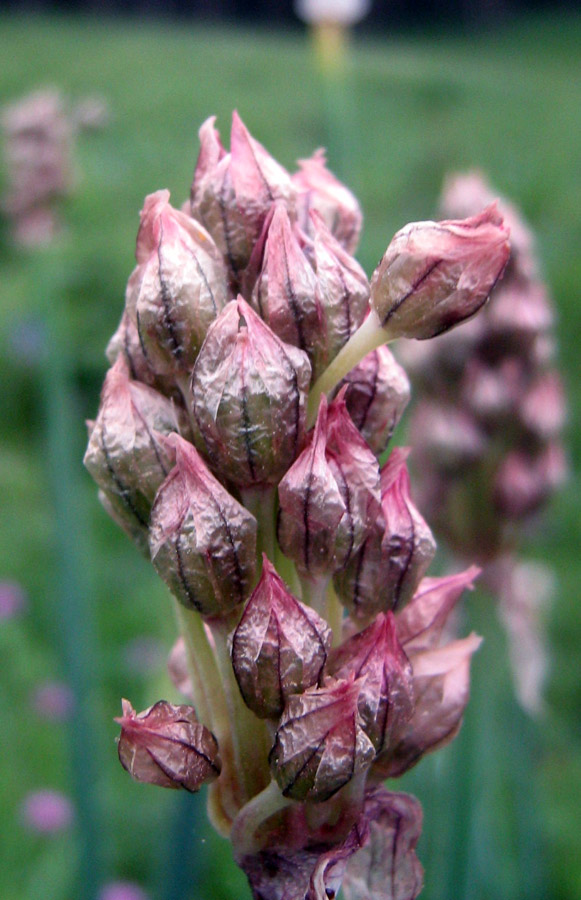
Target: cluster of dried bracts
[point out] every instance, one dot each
(487, 427)
(237, 443)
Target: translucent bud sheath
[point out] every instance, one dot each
(279, 647)
(126, 454)
(249, 391)
(318, 189)
(182, 285)
(203, 542)
(421, 623)
(166, 745)
(436, 274)
(329, 495)
(319, 744)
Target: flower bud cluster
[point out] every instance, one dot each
(237, 442)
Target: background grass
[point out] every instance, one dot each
(412, 110)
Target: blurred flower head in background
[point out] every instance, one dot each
(47, 811)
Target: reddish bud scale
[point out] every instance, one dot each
(319, 190)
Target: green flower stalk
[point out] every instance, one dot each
(237, 441)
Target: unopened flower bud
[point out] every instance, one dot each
(318, 189)
(320, 745)
(329, 496)
(279, 647)
(434, 275)
(232, 192)
(126, 454)
(182, 285)
(421, 623)
(378, 391)
(386, 698)
(167, 746)
(203, 542)
(441, 681)
(249, 391)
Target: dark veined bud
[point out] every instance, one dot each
(249, 390)
(167, 746)
(320, 190)
(279, 647)
(182, 285)
(378, 391)
(329, 496)
(434, 275)
(126, 454)
(232, 193)
(376, 656)
(386, 867)
(399, 547)
(320, 745)
(441, 682)
(202, 541)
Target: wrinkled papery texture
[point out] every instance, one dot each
(232, 192)
(202, 541)
(166, 745)
(182, 286)
(386, 867)
(434, 275)
(126, 454)
(441, 684)
(319, 744)
(378, 391)
(330, 495)
(279, 647)
(318, 189)
(376, 656)
(249, 390)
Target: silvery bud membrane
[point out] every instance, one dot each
(318, 189)
(232, 192)
(378, 391)
(126, 454)
(202, 541)
(279, 647)
(329, 496)
(434, 275)
(182, 286)
(249, 391)
(167, 746)
(320, 745)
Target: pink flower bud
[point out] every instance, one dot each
(279, 647)
(319, 745)
(167, 746)
(441, 682)
(232, 192)
(378, 391)
(318, 189)
(386, 867)
(376, 656)
(202, 541)
(182, 285)
(249, 391)
(329, 497)
(126, 454)
(421, 623)
(434, 275)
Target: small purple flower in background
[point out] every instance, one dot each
(47, 811)
(122, 890)
(53, 700)
(12, 599)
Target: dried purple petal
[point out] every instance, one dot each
(167, 746)
(319, 745)
(249, 392)
(203, 542)
(279, 647)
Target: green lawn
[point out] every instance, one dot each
(411, 110)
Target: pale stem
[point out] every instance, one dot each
(369, 336)
(334, 614)
(313, 592)
(287, 571)
(261, 502)
(252, 816)
(250, 740)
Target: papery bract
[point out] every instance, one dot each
(320, 190)
(421, 623)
